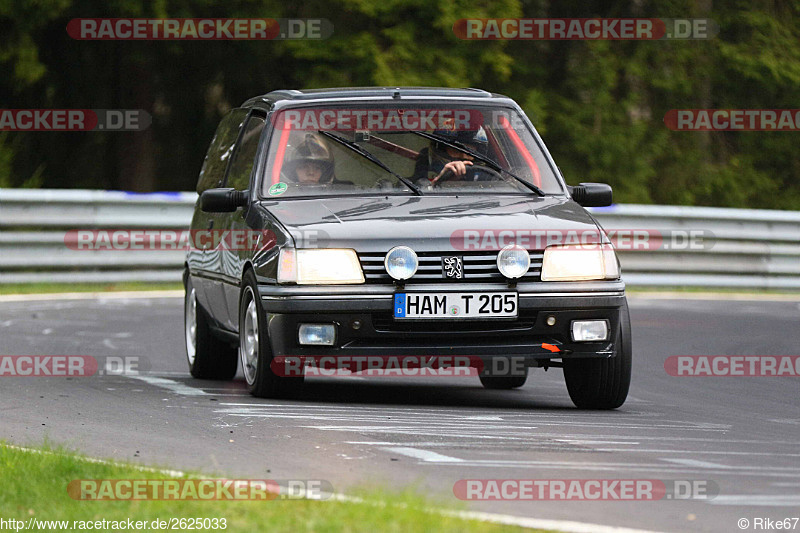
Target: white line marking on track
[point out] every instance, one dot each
(695, 462)
(405, 429)
(695, 452)
(592, 442)
(641, 297)
(794, 421)
(571, 417)
(764, 471)
(662, 471)
(424, 455)
(767, 500)
(174, 386)
(454, 444)
(162, 373)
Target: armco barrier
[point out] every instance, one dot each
(755, 249)
(745, 248)
(33, 224)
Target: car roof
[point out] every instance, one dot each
(271, 99)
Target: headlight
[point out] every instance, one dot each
(319, 266)
(580, 263)
(401, 262)
(513, 261)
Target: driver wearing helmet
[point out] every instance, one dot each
(440, 160)
(311, 162)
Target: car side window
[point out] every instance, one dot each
(219, 151)
(245, 154)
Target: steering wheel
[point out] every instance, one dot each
(449, 174)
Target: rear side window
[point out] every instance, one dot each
(244, 157)
(220, 150)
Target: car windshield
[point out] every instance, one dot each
(404, 149)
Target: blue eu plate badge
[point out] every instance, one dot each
(399, 305)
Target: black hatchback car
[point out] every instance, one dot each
(399, 222)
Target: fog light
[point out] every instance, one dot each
(401, 262)
(317, 334)
(513, 261)
(551, 320)
(589, 330)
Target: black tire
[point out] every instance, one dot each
(261, 381)
(208, 356)
(603, 383)
(503, 382)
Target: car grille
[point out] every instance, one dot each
(478, 267)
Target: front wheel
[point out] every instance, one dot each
(603, 383)
(208, 356)
(255, 350)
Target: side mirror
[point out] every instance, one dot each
(592, 194)
(223, 200)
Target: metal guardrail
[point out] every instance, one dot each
(686, 246)
(33, 225)
(741, 248)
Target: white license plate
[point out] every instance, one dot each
(455, 305)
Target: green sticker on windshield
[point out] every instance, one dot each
(278, 188)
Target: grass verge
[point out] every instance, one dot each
(42, 288)
(35, 486)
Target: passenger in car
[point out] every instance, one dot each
(311, 162)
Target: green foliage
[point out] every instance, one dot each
(598, 104)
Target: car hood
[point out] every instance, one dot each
(431, 223)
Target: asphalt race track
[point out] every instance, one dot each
(740, 434)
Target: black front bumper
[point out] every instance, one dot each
(379, 334)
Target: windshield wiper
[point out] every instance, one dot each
(359, 150)
(491, 163)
